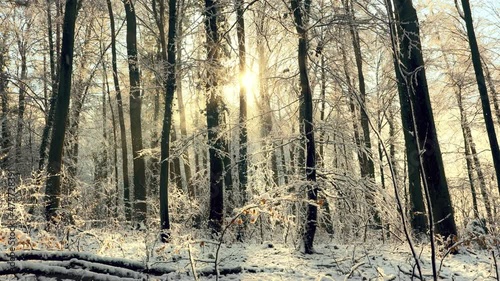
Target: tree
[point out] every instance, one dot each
(417, 207)
(135, 115)
(168, 54)
(214, 122)
(53, 185)
(5, 143)
(366, 159)
(411, 71)
(54, 77)
(242, 162)
(306, 125)
(180, 100)
(483, 91)
(121, 119)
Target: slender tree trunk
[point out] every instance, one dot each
(175, 163)
(214, 105)
(242, 161)
(322, 133)
(470, 148)
(103, 163)
(22, 97)
(468, 156)
(140, 208)
(115, 152)
(180, 100)
(5, 142)
(417, 207)
(121, 118)
(53, 186)
(307, 126)
(367, 166)
(54, 80)
(493, 91)
(477, 164)
(154, 163)
(425, 128)
(169, 82)
(483, 91)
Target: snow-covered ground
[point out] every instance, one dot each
(275, 261)
(343, 262)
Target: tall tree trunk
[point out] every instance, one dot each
(470, 147)
(121, 118)
(169, 79)
(115, 152)
(103, 163)
(214, 122)
(154, 163)
(307, 125)
(49, 119)
(483, 91)
(180, 100)
(322, 133)
(5, 143)
(53, 186)
(242, 161)
(140, 208)
(432, 168)
(72, 137)
(493, 91)
(22, 97)
(479, 171)
(468, 156)
(417, 207)
(367, 167)
(175, 163)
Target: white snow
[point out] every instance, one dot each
(275, 261)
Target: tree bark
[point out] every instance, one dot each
(483, 91)
(417, 207)
(242, 161)
(493, 91)
(307, 125)
(54, 80)
(468, 156)
(121, 119)
(22, 97)
(425, 129)
(214, 122)
(139, 179)
(6, 142)
(479, 171)
(180, 100)
(168, 54)
(115, 151)
(53, 186)
(367, 166)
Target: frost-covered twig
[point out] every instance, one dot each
(496, 266)
(251, 206)
(412, 274)
(353, 269)
(191, 261)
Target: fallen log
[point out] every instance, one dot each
(40, 269)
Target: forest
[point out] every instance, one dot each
(249, 140)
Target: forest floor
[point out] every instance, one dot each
(270, 260)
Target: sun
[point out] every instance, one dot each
(249, 81)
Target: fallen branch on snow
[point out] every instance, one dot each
(38, 269)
